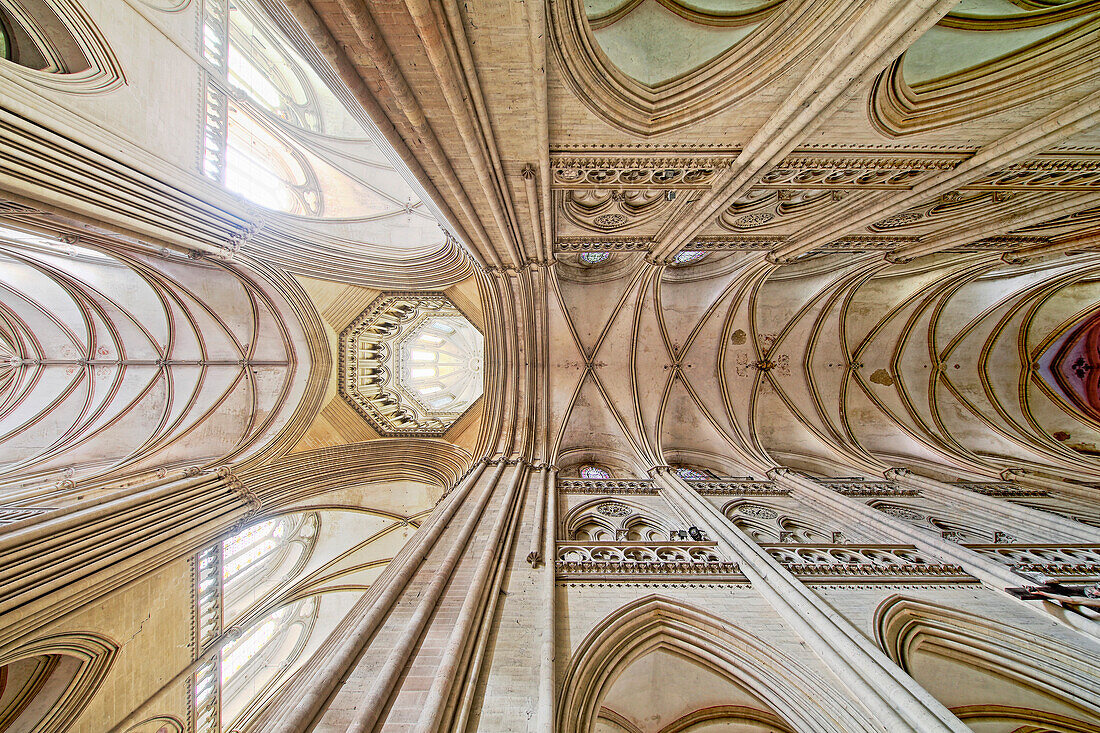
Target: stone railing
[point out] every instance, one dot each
(605, 486)
(878, 563)
(1001, 489)
(642, 559)
(1076, 562)
(861, 488)
(737, 488)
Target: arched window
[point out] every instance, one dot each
(594, 258)
(266, 69)
(691, 474)
(275, 134)
(264, 168)
(34, 36)
(594, 472)
(263, 556)
(687, 257)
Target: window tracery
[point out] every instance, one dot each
(273, 130)
(232, 576)
(594, 258)
(594, 472)
(609, 520)
(687, 257)
(767, 523)
(692, 474)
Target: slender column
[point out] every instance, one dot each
(54, 563)
(318, 687)
(369, 710)
(547, 669)
(897, 702)
(990, 572)
(538, 534)
(1052, 527)
(1033, 480)
(431, 718)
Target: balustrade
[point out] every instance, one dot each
(845, 561)
(1079, 562)
(642, 558)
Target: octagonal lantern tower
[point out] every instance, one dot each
(411, 364)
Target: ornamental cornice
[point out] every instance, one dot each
(864, 571)
(644, 568)
(999, 489)
(738, 488)
(606, 486)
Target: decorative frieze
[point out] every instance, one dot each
(1001, 489)
(9, 514)
(765, 243)
(606, 486)
(641, 560)
(1067, 562)
(684, 172)
(738, 488)
(868, 488)
(840, 563)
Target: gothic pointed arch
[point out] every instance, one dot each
(795, 694)
(48, 682)
(1035, 675)
(611, 518)
(744, 50)
(56, 45)
(973, 65)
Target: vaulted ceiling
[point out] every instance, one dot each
(886, 193)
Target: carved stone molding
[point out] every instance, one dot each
(868, 488)
(1005, 490)
(605, 486)
(649, 171)
(738, 488)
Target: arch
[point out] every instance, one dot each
(622, 520)
(746, 65)
(56, 679)
(765, 522)
(159, 724)
(905, 625)
(55, 44)
(803, 700)
(1066, 57)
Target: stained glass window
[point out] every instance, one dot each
(687, 257)
(690, 474)
(5, 46)
(595, 472)
(237, 654)
(594, 258)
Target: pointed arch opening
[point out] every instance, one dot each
(46, 684)
(989, 674)
(775, 686)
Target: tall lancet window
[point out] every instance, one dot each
(276, 134)
(234, 581)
